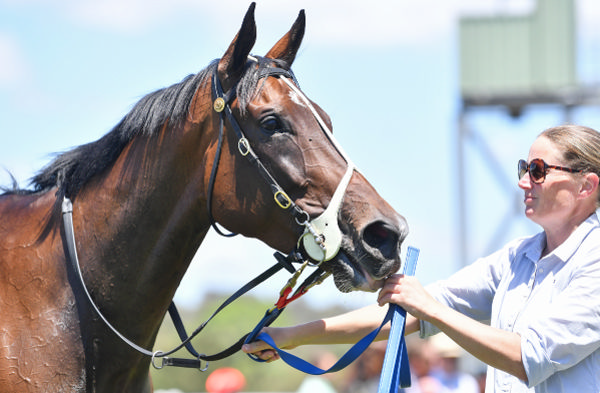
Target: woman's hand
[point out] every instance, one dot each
(262, 350)
(407, 292)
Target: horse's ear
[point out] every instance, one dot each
(231, 65)
(287, 47)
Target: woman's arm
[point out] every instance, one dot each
(345, 328)
(498, 348)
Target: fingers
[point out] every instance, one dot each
(261, 350)
(255, 346)
(391, 287)
(268, 355)
(408, 293)
(400, 289)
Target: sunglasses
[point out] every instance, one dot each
(538, 168)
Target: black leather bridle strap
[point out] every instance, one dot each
(224, 109)
(211, 184)
(282, 262)
(186, 340)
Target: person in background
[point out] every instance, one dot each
(422, 358)
(447, 372)
(367, 371)
(531, 310)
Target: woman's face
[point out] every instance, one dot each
(555, 200)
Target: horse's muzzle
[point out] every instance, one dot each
(365, 261)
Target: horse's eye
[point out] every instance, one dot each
(271, 124)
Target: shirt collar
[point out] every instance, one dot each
(566, 250)
(534, 251)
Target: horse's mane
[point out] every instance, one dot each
(72, 170)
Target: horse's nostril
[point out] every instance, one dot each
(382, 237)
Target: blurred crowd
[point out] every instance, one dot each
(437, 364)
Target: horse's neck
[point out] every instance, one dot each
(140, 224)
(137, 227)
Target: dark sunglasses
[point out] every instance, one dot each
(538, 168)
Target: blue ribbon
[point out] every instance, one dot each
(395, 372)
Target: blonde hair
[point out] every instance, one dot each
(580, 147)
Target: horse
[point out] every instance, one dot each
(144, 196)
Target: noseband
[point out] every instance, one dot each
(322, 237)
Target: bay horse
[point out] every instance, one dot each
(140, 208)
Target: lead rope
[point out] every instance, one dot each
(396, 369)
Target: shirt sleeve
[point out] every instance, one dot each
(566, 331)
(471, 290)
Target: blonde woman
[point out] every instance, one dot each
(531, 310)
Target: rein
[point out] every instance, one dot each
(395, 371)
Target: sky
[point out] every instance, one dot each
(386, 72)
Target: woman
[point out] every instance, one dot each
(531, 311)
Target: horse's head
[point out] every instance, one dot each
(307, 193)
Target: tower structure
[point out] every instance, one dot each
(513, 61)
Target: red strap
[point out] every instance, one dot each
(284, 301)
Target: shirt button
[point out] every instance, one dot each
(541, 270)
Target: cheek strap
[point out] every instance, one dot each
(322, 238)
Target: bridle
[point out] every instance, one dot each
(321, 238)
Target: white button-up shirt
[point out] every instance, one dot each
(553, 303)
